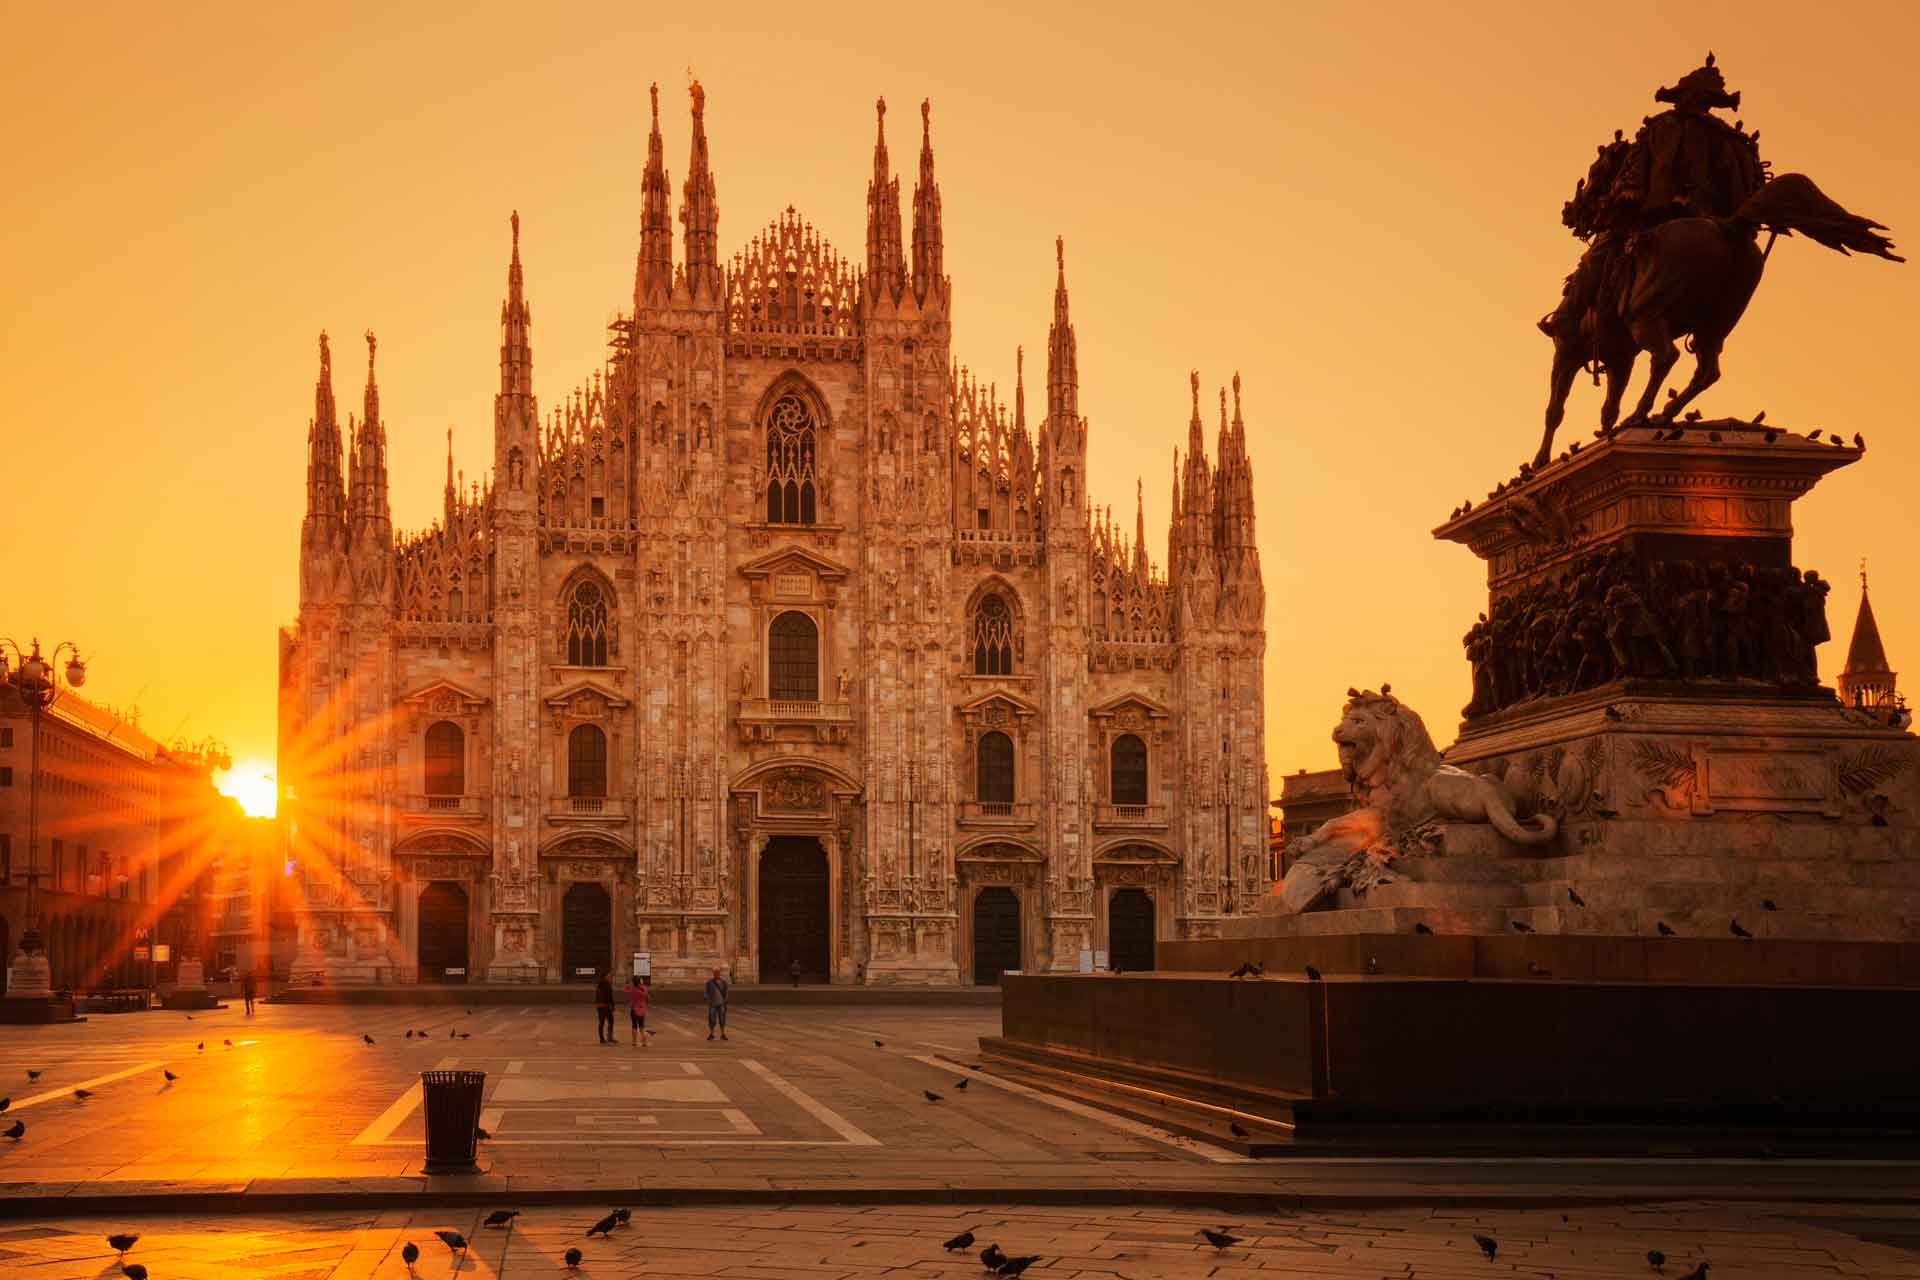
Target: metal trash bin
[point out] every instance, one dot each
(452, 1103)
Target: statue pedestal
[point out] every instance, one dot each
(189, 988)
(30, 996)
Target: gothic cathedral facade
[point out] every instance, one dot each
(781, 645)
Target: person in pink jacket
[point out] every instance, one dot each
(637, 1010)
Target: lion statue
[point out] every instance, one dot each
(1404, 787)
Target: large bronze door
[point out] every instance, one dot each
(586, 933)
(1130, 930)
(443, 932)
(996, 934)
(794, 917)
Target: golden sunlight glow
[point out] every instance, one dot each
(251, 783)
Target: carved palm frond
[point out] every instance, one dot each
(1868, 768)
(1667, 766)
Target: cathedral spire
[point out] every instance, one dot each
(699, 211)
(653, 278)
(516, 327)
(1020, 388)
(326, 487)
(1140, 529)
(928, 262)
(886, 268)
(370, 468)
(451, 491)
(1063, 370)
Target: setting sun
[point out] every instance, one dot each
(251, 783)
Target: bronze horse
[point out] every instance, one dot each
(1685, 278)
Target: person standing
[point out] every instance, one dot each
(637, 1009)
(716, 1004)
(603, 1008)
(247, 990)
(794, 969)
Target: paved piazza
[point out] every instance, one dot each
(223, 1171)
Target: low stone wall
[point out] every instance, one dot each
(1428, 1047)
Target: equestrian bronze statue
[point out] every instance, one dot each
(1672, 221)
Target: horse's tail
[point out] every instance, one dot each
(1791, 202)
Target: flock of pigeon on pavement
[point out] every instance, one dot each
(993, 1260)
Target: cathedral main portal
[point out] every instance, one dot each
(795, 921)
(586, 933)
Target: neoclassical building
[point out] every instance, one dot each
(779, 644)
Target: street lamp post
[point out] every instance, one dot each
(34, 680)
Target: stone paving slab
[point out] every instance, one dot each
(836, 1242)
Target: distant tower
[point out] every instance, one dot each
(1867, 681)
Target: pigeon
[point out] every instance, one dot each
(409, 1034)
(879, 1044)
(133, 1270)
(123, 1242)
(1739, 932)
(1573, 896)
(932, 1096)
(1814, 434)
(572, 1258)
(1766, 904)
(451, 1033)
(466, 1035)
(500, 1217)
(1015, 1266)
(1218, 1239)
(201, 1047)
(1859, 441)
(189, 1017)
(1661, 925)
(83, 1094)
(33, 1075)
(17, 1130)
(991, 1257)
(1521, 926)
(1233, 1127)
(1759, 417)
(1421, 927)
(962, 1241)
(625, 1216)
(1656, 1259)
(169, 1075)
(962, 1083)
(482, 1134)
(1835, 438)
(410, 1254)
(1244, 971)
(1698, 1273)
(367, 1038)
(604, 1227)
(1313, 974)
(453, 1240)
(227, 1043)
(1488, 1245)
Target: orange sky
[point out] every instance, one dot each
(1354, 205)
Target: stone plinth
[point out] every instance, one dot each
(1412, 1051)
(30, 997)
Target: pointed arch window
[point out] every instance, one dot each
(793, 658)
(992, 637)
(1128, 770)
(994, 768)
(446, 756)
(791, 445)
(587, 761)
(589, 623)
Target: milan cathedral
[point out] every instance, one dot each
(780, 645)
